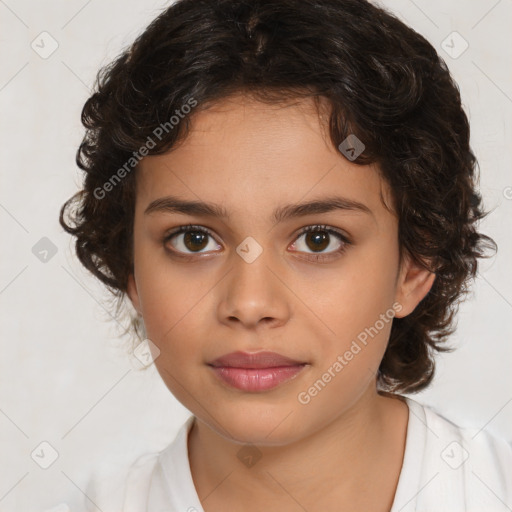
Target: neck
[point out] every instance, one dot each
(339, 460)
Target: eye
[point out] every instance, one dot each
(319, 238)
(194, 239)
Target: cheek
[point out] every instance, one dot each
(364, 290)
(360, 313)
(168, 291)
(359, 309)
(179, 312)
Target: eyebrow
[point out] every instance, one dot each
(172, 204)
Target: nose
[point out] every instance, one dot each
(253, 294)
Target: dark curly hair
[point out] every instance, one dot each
(384, 83)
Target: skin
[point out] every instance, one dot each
(344, 449)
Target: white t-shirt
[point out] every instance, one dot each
(446, 468)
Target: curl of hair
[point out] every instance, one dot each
(383, 82)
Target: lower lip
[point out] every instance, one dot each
(256, 379)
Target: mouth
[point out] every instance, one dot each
(254, 360)
(255, 372)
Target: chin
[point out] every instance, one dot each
(259, 425)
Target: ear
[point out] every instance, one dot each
(133, 294)
(413, 284)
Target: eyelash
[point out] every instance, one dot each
(320, 257)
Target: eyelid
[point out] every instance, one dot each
(328, 229)
(345, 239)
(188, 227)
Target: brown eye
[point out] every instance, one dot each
(195, 240)
(317, 239)
(189, 239)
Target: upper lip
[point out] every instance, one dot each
(254, 360)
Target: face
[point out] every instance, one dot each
(252, 280)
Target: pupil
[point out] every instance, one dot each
(198, 239)
(195, 238)
(319, 240)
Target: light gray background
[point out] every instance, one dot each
(64, 377)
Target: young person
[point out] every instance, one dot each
(285, 192)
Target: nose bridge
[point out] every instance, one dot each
(251, 274)
(253, 291)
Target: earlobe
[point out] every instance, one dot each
(133, 294)
(413, 285)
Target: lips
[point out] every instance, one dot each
(254, 360)
(256, 372)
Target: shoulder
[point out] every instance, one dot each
(108, 486)
(478, 445)
(142, 483)
(473, 465)
(114, 487)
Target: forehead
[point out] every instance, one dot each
(250, 156)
